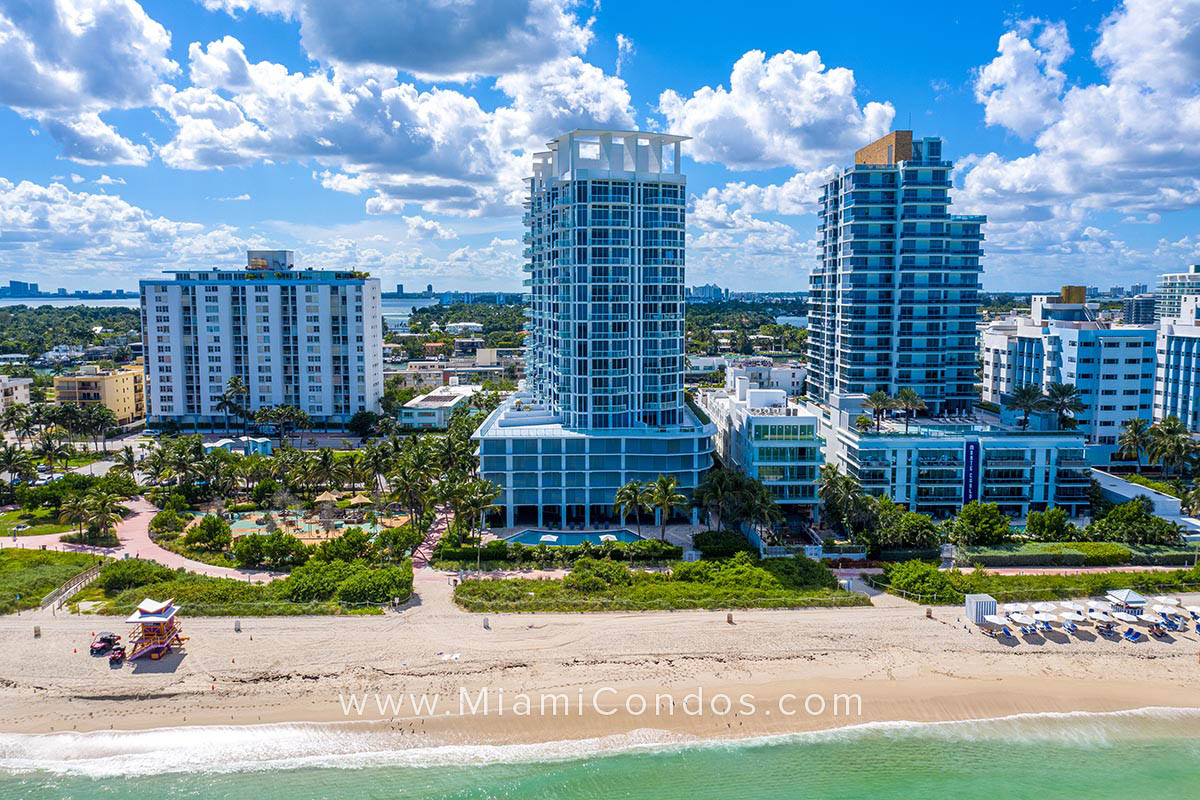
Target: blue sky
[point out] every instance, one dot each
(393, 135)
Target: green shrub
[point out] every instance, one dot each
(911, 554)
(980, 525)
(926, 581)
(722, 544)
(117, 576)
(377, 585)
(211, 533)
(314, 580)
(241, 508)
(1097, 554)
(168, 521)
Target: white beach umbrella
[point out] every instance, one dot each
(1192, 609)
(1165, 600)
(1044, 607)
(1013, 608)
(995, 619)
(1021, 619)
(1073, 616)
(1165, 609)
(1100, 605)
(1121, 616)
(1071, 606)
(1099, 616)
(1045, 616)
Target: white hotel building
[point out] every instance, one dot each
(301, 337)
(603, 402)
(1177, 383)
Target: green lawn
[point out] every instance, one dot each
(33, 574)
(40, 521)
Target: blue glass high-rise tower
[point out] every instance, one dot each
(895, 295)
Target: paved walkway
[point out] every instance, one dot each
(134, 535)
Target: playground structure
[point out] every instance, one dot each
(155, 629)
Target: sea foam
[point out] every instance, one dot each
(250, 748)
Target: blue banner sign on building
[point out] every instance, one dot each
(970, 471)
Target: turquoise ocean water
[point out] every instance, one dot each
(1151, 753)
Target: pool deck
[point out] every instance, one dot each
(680, 535)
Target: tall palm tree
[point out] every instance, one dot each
(75, 510)
(1171, 444)
(237, 391)
(126, 461)
(910, 402)
(838, 493)
(763, 511)
(479, 496)
(376, 460)
(627, 500)
(15, 418)
(51, 451)
(664, 497)
(1026, 399)
(879, 402)
(1064, 400)
(1134, 440)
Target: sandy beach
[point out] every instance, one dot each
(901, 664)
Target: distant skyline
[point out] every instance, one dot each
(170, 133)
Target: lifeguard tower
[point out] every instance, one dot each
(155, 629)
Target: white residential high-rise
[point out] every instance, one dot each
(1177, 384)
(1112, 366)
(603, 398)
(307, 338)
(1172, 287)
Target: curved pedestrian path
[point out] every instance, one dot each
(133, 533)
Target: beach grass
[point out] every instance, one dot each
(40, 521)
(26, 576)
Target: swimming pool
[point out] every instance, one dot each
(567, 539)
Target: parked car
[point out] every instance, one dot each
(104, 641)
(21, 527)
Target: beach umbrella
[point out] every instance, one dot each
(1043, 616)
(1165, 609)
(326, 497)
(1101, 605)
(1121, 616)
(1021, 619)
(1015, 607)
(1192, 609)
(995, 619)
(1073, 616)
(549, 537)
(1044, 607)
(1071, 606)
(1099, 616)
(360, 499)
(1165, 600)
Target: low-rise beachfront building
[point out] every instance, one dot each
(1177, 382)
(243, 445)
(1112, 366)
(14, 391)
(434, 409)
(121, 390)
(937, 468)
(769, 438)
(763, 373)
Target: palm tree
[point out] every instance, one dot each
(664, 497)
(227, 405)
(1171, 444)
(1026, 399)
(15, 418)
(838, 494)
(126, 461)
(763, 510)
(1134, 440)
(376, 460)
(879, 402)
(629, 499)
(16, 461)
(51, 450)
(910, 402)
(75, 510)
(1064, 400)
(479, 496)
(236, 389)
(105, 510)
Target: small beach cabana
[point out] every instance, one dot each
(1126, 600)
(155, 629)
(360, 499)
(979, 606)
(326, 497)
